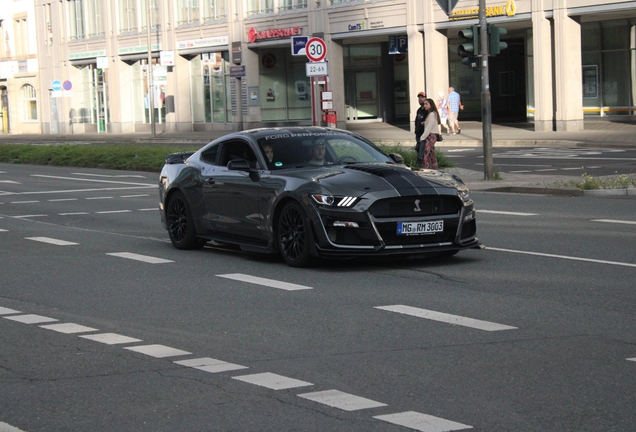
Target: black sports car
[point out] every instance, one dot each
(311, 191)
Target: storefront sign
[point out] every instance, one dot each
(137, 49)
(237, 71)
(86, 54)
(298, 45)
(255, 36)
(205, 42)
(102, 62)
(237, 54)
(166, 58)
(509, 9)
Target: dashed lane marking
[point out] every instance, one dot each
(110, 338)
(142, 258)
(446, 318)
(134, 196)
(68, 328)
(62, 199)
(73, 214)
(422, 422)
(29, 216)
(615, 221)
(30, 319)
(632, 359)
(266, 282)
(562, 257)
(52, 241)
(4, 427)
(210, 365)
(9, 182)
(507, 213)
(99, 198)
(24, 202)
(341, 400)
(272, 381)
(3, 230)
(158, 351)
(149, 209)
(111, 176)
(113, 211)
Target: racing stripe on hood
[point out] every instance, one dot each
(399, 178)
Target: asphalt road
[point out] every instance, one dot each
(549, 161)
(105, 326)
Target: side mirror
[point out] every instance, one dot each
(397, 158)
(238, 165)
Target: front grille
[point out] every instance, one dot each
(416, 206)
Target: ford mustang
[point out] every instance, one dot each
(306, 192)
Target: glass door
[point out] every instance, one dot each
(361, 95)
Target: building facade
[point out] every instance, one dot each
(19, 82)
(228, 65)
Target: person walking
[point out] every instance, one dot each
(442, 108)
(454, 101)
(426, 153)
(420, 117)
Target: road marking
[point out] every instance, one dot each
(507, 213)
(9, 181)
(563, 257)
(571, 169)
(137, 257)
(546, 169)
(30, 319)
(110, 176)
(92, 180)
(62, 199)
(3, 230)
(52, 241)
(110, 338)
(73, 214)
(29, 216)
(615, 221)
(4, 427)
(7, 311)
(99, 198)
(341, 400)
(68, 328)
(158, 351)
(79, 190)
(519, 172)
(266, 282)
(632, 359)
(422, 422)
(149, 209)
(24, 202)
(113, 211)
(134, 196)
(446, 318)
(210, 365)
(272, 381)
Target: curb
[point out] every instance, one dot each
(533, 190)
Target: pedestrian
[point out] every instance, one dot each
(442, 108)
(454, 102)
(426, 154)
(420, 117)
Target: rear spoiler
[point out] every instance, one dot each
(178, 158)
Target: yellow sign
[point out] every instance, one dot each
(509, 9)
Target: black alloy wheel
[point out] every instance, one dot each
(293, 235)
(180, 224)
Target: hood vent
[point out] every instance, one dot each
(398, 177)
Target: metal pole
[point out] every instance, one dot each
(486, 113)
(151, 98)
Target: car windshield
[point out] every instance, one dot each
(310, 149)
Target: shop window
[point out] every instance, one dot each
(210, 84)
(140, 96)
(29, 99)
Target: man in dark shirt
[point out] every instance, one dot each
(420, 116)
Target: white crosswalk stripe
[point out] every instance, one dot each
(422, 422)
(272, 381)
(341, 400)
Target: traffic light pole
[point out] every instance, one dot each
(486, 113)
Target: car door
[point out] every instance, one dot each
(231, 196)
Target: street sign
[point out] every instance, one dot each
(56, 85)
(298, 44)
(317, 68)
(67, 85)
(316, 49)
(398, 44)
(447, 5)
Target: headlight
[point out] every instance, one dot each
(336, 201)
(464, 193)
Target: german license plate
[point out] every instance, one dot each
(416, 228)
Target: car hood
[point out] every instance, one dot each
(357, 179)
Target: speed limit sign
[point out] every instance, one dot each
(316, 49)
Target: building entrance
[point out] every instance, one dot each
(361, 96)
(508, 83)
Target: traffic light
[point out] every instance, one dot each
(469, 50)
(494, 44)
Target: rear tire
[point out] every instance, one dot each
(293, 235)
(181, 223)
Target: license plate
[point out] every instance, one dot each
(416, 228)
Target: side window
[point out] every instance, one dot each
(209, 155)
(233, 150)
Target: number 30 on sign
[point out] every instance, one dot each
(316, 69)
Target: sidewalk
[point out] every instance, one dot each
(597, 134)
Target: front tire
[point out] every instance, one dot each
(293, 235)
(181, 223)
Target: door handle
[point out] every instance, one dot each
(210, 180)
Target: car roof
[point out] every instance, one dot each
(293, 130)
